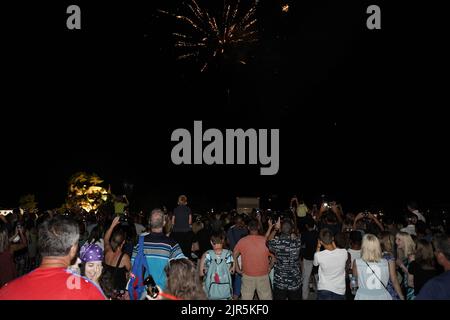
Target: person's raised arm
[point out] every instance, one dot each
(322, 210)
(337, 211)
(108, 234)
(275, 229)
(269, 230)
(377, 222)
(357, 218)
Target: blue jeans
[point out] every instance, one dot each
(328, 295)
(237, 285)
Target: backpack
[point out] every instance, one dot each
(218, 284)
(139, 272)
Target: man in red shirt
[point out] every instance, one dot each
(58, 245)
(255, 264)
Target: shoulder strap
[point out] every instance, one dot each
(120, 260)
(141, 254)
(141, 245)
(376, 276)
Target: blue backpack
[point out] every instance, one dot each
(218, 284)
(139, 272)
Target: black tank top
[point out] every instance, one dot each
(119, 275)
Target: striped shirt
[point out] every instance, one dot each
(159, 250)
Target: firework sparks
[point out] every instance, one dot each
(215, 33)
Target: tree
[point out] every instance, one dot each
(86, 191)
(27, 202)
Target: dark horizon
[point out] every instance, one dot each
(358, 110)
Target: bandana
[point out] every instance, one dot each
(90, 253)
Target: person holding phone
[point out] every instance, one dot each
(371, 221)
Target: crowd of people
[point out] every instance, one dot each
(320, 253)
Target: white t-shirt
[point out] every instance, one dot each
(331, 270)
(355, 254)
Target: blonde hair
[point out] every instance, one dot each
(387, 241)
(182, 200)
(370, 248)
(409, 244)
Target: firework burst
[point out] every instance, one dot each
(211, 34)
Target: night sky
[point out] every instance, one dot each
(360, 112)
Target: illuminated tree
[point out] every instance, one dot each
(86, 191)
(27, 202)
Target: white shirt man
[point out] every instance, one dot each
(331, 270)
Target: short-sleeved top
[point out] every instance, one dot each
(331, 270)
(159, 250)
(421, 275)
(437, 288)
(373, 277)
(225, 254)
(119, 207)
(254, 254)
(51, 284)
(181, 213)
(287, 274)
